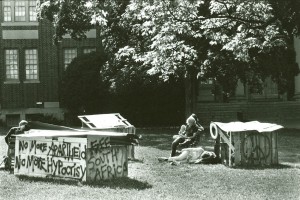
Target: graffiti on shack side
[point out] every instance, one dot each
(84, 159)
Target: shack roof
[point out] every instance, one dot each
(67, 133)
(248, 126)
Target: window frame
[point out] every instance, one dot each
(23, 10)
(66, 64)
(29, 12)
(15, 17)
(7, 65)
(35, 63)
(4, 13)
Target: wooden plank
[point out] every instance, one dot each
(62, 158)
(261, 147)
(230, 150)
(130, 150)
(274, 148)
(103, 121)
(64, 168)
(268, 149)
(110, 162)
(237, 148)
(242, 148)
(224, 153)
(248, 148)
(37, 145)
(217, 146)
(72, 139)
(98, 142)
(245, 149)
(255, 148)
(226, 139)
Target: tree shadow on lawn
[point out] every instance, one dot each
(117, 183)
(278, 166)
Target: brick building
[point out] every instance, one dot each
(31, 66)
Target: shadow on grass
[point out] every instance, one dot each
(279, 166)
(117, 183)
(121, 183)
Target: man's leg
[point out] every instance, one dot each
(8, 158)
(182, 157)
(174, 145)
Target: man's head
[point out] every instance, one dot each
(23, 122)
(23, 125)
(190, 121)
(195, 117)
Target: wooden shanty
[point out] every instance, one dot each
(81, 155)
(87, 154)
(246, 143)
(112, 122)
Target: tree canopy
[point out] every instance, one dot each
(219, 39)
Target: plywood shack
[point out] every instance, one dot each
(81, 155)
(246, 144)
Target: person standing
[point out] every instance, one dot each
(10, 141)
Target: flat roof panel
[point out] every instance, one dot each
(248, 126)
(104, 121)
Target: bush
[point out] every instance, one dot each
(82, 89)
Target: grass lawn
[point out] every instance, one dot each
(150, 179)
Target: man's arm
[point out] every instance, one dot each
(196, 131)
(193, 136)
(10, 132)
(200, 127)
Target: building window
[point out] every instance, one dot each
(69, 55)
(32, 11)
(31, 63)
(20, 14)
(11, 64)
(88, 50)
(21, 11)
(7, 13)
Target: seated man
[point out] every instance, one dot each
(190, 136)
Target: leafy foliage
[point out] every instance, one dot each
(74, 17)
(225, 40)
